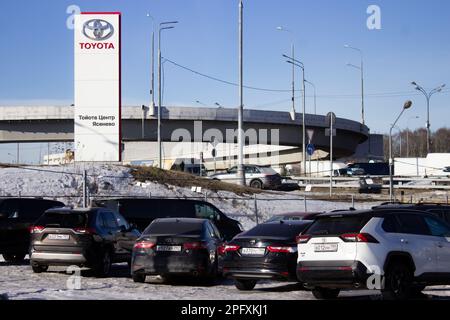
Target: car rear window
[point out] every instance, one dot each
(154, 208)
(337, 225)
(63, 219)
(174, 228)
(276, 230)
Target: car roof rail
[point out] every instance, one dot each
(392, 202)
(343, 210)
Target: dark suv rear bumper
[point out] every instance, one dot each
(182, 265)
(257, 274)
(336, 274)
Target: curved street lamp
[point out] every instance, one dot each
(361, 68)
(406, 106)
(162, 26)
(300, 65)
(428, 97)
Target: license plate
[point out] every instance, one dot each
(58, 237)
(168, 248)
(326, 247)
(253, 251)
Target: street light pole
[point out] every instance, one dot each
(162, 26)
(407, 105)
(300, 64)
(428, 97)
(241, 169)
(293, 83)
(152, 69)
(361, 68)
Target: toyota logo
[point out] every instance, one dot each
(98, 30)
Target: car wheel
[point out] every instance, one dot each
(256, 184)
(39, 268)
(397, 284)
(104, 265)
(245, 285)
(138, 277)
(166, 278)
(325, 293)
(14, 258)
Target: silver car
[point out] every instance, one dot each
(259, 177)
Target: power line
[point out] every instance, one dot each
(224, 81)
(377, 95)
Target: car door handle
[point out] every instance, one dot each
(405, 241)
(440, 245)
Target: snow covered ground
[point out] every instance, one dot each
(19, 282)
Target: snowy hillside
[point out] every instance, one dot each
(64, 183)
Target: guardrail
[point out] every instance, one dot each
(399, 182)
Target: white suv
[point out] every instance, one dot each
(397, 251)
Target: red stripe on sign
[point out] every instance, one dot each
(120, 88)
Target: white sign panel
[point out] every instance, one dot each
(97, 87)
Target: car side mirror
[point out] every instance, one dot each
(123, 229)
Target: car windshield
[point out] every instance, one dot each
(337, 225)
(174, 228)
(63, 219)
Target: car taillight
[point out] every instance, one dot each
(230, 247)
(302, 238)
(84, 230)
(221, 250)
(144, 245)
(282, 249)
(36, 229)
(358, 237)
(194, 245)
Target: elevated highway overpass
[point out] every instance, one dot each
(56, 124)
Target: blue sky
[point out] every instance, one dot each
(36, 54)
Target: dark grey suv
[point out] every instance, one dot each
(93, 238)
(16, 217)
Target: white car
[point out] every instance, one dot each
(397, 251)
(259, 177)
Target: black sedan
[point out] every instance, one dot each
(177, 246)
(268, 251)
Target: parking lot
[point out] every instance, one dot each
(19, 282)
